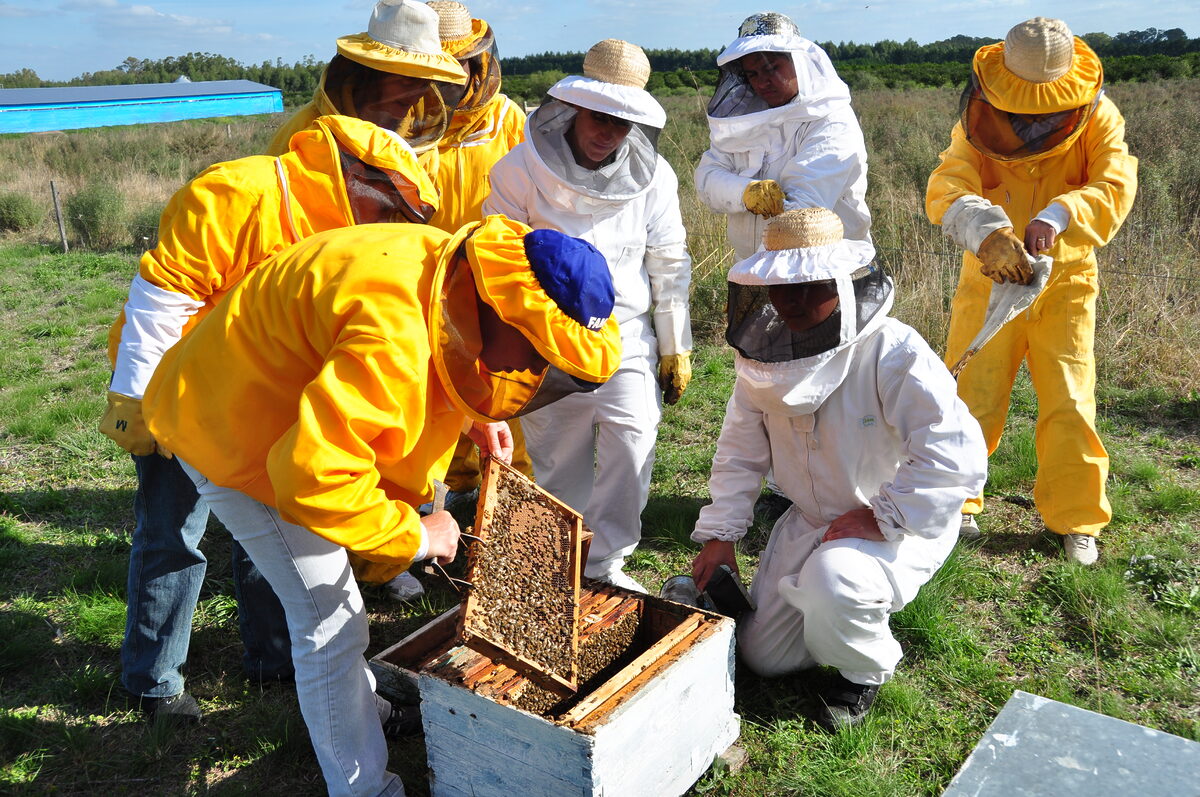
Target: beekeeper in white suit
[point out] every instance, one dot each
(782, 135)
(861, 423)
(589, 167)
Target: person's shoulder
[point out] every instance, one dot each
(898, 343)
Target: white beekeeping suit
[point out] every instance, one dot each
(811, 145)
(858, 418)
(596, 453)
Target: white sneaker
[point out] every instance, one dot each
(969, 530)
(405, 587)
(1080, 548)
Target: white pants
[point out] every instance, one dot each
(595, 452)
(829, 603)
(328, 628)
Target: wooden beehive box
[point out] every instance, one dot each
(653, 708)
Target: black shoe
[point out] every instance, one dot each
(771, 506)
(403, 721)
(180, 709)
(846, 704)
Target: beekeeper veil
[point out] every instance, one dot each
(819, 90)
(395, 73)
(473, 44)
(803, 247)
(1031, 94)
(613, 83)
(522, 318)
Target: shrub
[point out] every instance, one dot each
(144, 227)
(18, 211)
(96, 214)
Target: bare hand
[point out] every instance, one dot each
(442, 531)
(493, 439)
(1039, 237)
(857, 523)
(714, 554)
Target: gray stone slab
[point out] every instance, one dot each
(1037, 746)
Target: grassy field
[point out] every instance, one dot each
(1120, 638)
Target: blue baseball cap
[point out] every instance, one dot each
(574, 274)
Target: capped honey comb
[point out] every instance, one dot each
(522, 608)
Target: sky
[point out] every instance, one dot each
(61, 40)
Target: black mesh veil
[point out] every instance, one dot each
(755, 330)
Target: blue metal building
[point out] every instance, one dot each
(71, 107)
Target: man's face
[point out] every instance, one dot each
(805, 305)
(389, 97)
(772, 76)
(594, 136)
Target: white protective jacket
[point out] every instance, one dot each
(893, 436)
(635, 223)
(813, 147)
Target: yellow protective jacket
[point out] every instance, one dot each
(236, 214)
(466, 154)
(321, 385)
(343, 423)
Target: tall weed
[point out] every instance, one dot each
(96, 214)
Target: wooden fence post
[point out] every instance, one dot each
(62, 230)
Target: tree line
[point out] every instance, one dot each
(1148, 54)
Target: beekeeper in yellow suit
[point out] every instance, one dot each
(1037, 164)
(313, 408)
(394, 74)
(485, 127)
(215, 230)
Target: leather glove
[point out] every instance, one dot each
(124, 424)
(1003, 257)
(763, 198)
(674, 373)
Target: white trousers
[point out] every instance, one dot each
(829, 603)
(328, 628)
(595, 452)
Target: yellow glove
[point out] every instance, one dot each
(1003, 257)
(763, 198)
(674, 373)
(123, 422)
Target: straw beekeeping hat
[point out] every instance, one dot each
(402, 38)
(619, 62)
(454, 19)
(1039, 50)
(802, 229)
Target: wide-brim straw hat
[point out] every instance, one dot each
(614, 77)
(402, 39)
(619, 62)
(802, 245)
(1039, 50)
(462, 36)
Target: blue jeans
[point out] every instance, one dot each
(166, 572)
(328, 622)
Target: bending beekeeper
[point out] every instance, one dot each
(316, 404)
(590, 168)
(860, 421)
(394, 75)
(782, 135)
(215, 230)
(1037, 165)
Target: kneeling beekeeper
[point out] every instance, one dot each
(860, 422)
(315, 405)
